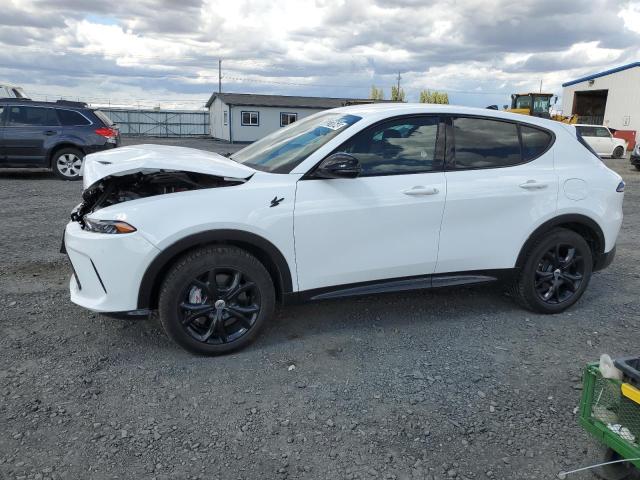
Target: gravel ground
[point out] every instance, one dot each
(456, 383)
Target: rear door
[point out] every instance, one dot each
(28, 131)
(497, 188)
(589, 135)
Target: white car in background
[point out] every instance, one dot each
(352, 201)
(11, 91)
(602, 140)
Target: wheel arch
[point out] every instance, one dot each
(55, 149)
(581, 224)
(267, 253)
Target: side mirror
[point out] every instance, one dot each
(338, 165)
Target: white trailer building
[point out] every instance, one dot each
(246, 117)
(610, 98)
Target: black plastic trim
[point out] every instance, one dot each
(401, 284)
(604, 260)
(147, 294)
(97, 275)
(557, 222)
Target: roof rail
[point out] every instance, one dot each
(70, 103)
(14, 99)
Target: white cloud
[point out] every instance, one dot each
(159, 50)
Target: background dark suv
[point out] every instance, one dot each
(52, 135)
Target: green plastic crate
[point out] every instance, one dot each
(603, 404)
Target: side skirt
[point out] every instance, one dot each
(402, 284)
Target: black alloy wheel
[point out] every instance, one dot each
(219, 306)
(215, 299)
(559, 273)
(556, 272)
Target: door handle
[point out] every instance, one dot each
(419, 190)
(48, 133)
(533, 185)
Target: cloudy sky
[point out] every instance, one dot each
(165, 52)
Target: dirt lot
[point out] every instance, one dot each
(426, 385)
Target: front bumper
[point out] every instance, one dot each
(108, 269)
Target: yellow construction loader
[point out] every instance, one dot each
(538, 105)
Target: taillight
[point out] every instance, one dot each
(106, 132)
(620, 188)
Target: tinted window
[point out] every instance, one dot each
(70, 118)
(586, 131)
(602, 132)
(400, 146)
(534, 142)
(29, 116)
(481, 143)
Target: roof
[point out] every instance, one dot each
(287, 101)
(37, 103)
(602, 74)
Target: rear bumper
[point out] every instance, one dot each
(604, 260)
(108, 269)
(635, 160)
(99, 148)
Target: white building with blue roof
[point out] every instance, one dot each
(610, 98)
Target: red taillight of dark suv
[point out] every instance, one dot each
(110, 134)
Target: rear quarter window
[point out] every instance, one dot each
(70, 118)
(534, 142)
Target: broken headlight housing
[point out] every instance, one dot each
(107, 226)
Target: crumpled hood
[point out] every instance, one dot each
(152, 158)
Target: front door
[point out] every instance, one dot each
(27, 130)
(385, 223)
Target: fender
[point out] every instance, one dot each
(574, 222)
(265, 251)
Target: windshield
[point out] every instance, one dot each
(285, 149)
(541, 104)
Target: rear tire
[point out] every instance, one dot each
(556, 272)
(637, 167)
(215, 300)
(618, 152)
(67, 163)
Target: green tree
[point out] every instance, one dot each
(428, 96)
(397, 94)
(376, 93)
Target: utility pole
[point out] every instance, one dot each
(219, 75)
(399, 77)
(540, 86)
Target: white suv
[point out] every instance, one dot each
(351, 201)
(602, 141)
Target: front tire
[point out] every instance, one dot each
(67, 163)
(618, 152)
(556, 272)
(215, 300)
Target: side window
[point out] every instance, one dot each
(31, 116)
(250, 119)
(483, 143)
(287, 118)
(400, 146)
(534, 142)
(71, 118)
(225, 117)
(602, 132)
(1, 115)
(587, 131)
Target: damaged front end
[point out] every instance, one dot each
(115, 189)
